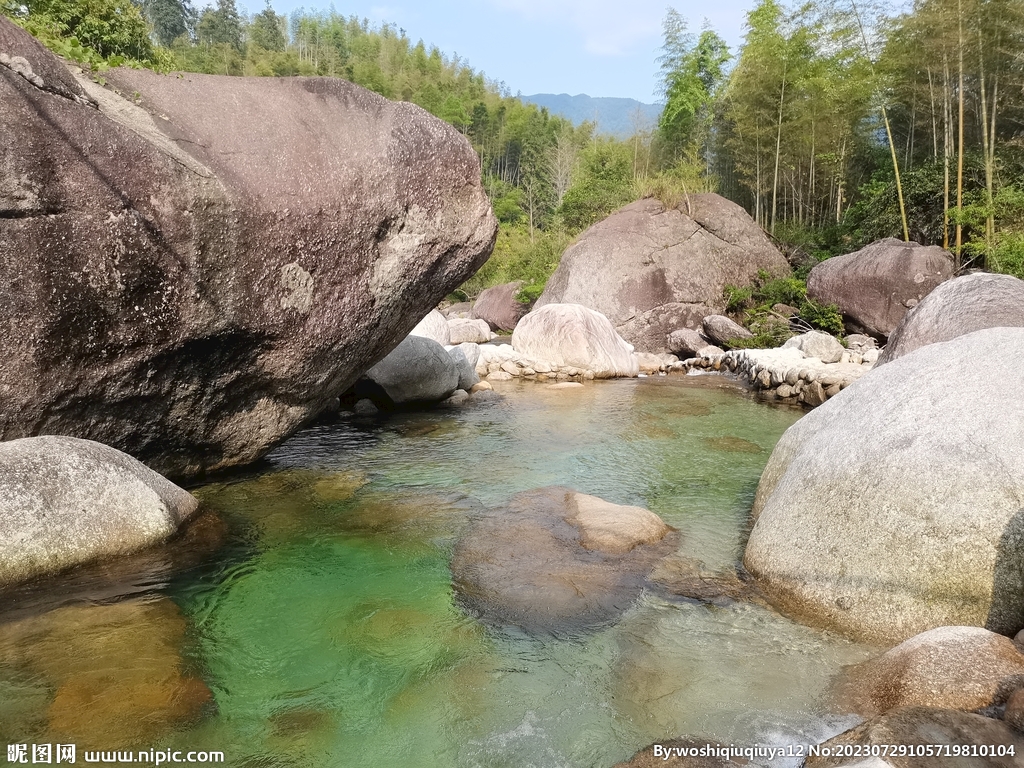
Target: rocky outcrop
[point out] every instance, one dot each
(958, 306)
(499, 307)
(650, 270)
(895, 507)
(919, 735)
(966, 668)
(875, 286)
(418, 371)
(557, 560)
(191, 273)
(572, 335)
(65, 501)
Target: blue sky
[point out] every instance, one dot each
(597, 47)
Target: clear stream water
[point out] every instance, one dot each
(328, 634)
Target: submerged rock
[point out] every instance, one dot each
(650, 270)
(192, 273)
(958, 306)
(65, 501)
(557, 560)
(115, 672)
(572, 335)
(895, 507)
(966, 668)
(875, 286)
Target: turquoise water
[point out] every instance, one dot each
(328, 634)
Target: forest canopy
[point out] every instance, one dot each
(833, 124)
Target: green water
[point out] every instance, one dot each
(328, 633)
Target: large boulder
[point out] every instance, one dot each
(433, 326)
(917, 737)
(468, 331)
(572, 335)
(958, 306)
(875, 286)
(417, 371)
(65, 501)
(557, 560)
(190, 273)
(499, 307)
(966, 668)
(896, 507)
(650, 270)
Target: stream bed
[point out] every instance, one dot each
(325, 632)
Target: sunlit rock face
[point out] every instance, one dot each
(193, 266)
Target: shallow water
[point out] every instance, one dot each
(328, 634)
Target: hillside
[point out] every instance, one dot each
(614, 116)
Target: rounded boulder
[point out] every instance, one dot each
(419, 370)
(66, 501)
(572, 335)
(895, 507)
(875, 286)
(962, 305)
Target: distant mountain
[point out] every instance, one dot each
(612, 115)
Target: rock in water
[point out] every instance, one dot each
(966, 668)
(115, 673)
(557, 560)
(418, 370)
(572, 335)
(499, 307)
(958, 306)
(192, 274)
(895, 507)
(65, 501)
(875, 286)
(651, 270)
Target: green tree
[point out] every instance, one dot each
(170, 19)
(221, 25)
(265, 30)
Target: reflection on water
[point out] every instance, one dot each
(326, 632)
